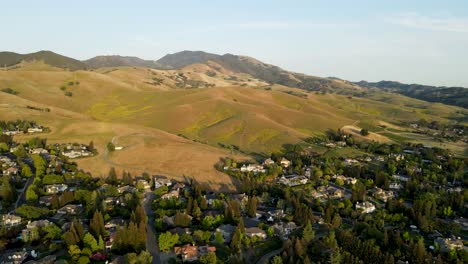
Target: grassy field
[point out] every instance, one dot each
(122, 103)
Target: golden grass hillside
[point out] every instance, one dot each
(144, 109)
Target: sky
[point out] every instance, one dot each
(417, 41)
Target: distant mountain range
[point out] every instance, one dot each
(247, 65)
(119, 61)
(439, 94)
(10, 58)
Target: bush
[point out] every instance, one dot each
(364, 132)
(10, 91)
(110, 147)
(69, 94)
(32, 212)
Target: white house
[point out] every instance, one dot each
(9, 220)
(285, 163)
(268, 162)
(365, 207)
(55, 188)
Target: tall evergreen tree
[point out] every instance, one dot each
(96, 227)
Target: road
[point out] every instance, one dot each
(22, 196)
(151, 242)
(269, 255)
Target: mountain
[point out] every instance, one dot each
(257, 69)
(48, 57)
(185, 58)
(117, 61)
(439, 94)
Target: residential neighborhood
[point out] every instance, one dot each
(52, 210)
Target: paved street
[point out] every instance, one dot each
(151, 242)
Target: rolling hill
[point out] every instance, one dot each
(257, 69)
(8, 59)
(195, 114)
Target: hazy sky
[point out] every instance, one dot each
(419, 41)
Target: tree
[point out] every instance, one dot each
(182, 220)
(4, 147)
(110, 147)
(26, 171)
(96, 227)
(74, 251)
(91, 146)
(209, 258)
(52, 232)
(308, 233)
(252, 206)
(7, 192)
(364, 132)
(112, 177)
(144, 258)
(39, 164)
(276, 260)
(167, 241)
(218, 238)
(31, 195)
(90, 242)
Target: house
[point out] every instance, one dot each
(346, 180)
(226, 231)
(181, 231)
(114, 223)
(335, 193)
(11, 171)
(350, 162)
(317, 194)
(284, 229)
(161, 182)
(447, 244)
(33, 227)
(144, 184)
(9, 220)
(13, 257)
(382, 194)
(55, 188)
(395, 186)
(127, 189)
(402, 178)
(38, 151)
(110, 202)
(190, 253)
(171, 195)
(293, 180)
(276, 214)
(70, 209)
(35, 130)
(365, 207)
(45, 200)
(255, 232)
(268, 162)
(187, 252)
(12, 132)
(38, 223)
(168, 220)
(463, 222)
(285, 163)
(253, 168)
(179, 186)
